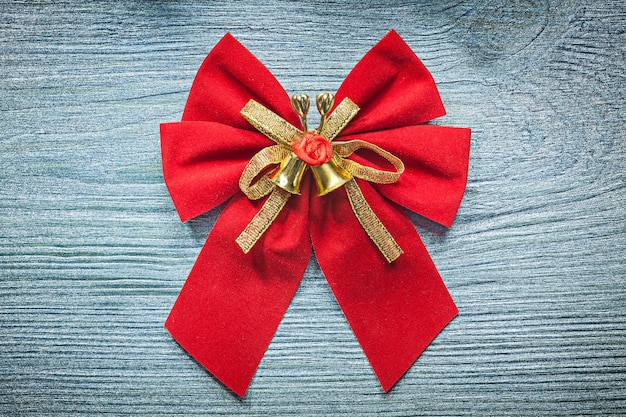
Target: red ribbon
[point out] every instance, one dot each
(232, 303)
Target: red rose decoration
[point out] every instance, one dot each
(313, 149)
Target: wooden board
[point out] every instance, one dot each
(92, 254)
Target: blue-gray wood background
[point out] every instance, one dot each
(92, 253)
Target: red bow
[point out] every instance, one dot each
(232, 303)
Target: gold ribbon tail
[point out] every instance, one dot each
(263, 219)
(371, 223)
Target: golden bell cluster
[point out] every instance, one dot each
(330, 163)
(328, 176)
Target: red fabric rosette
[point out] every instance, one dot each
(232, 303)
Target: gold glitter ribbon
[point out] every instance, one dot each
(256, 182)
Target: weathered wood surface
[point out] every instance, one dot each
(92, 254)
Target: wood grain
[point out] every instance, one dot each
(92, 254)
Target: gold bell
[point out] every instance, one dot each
(289, 175)
(329, 177)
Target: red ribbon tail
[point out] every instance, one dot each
(395, 309)
(232, 303)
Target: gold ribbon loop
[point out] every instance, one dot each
(260, 162)
(255, 186)
(345, 149)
